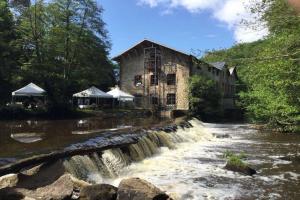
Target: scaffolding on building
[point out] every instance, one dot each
(157, 91)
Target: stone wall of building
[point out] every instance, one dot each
(172, 62)
(182, 64)
(131, 65)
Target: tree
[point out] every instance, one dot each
(270, 68)
(204, 98)
(8, 52)
(65, 47)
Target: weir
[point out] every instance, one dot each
(98, 166)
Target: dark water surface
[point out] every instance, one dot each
(19, 139)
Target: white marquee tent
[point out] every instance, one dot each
(30, 90)
(120, 95)
(86, 97)
(93, 92)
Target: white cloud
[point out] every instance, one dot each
(229, 12)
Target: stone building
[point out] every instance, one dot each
(158, 76)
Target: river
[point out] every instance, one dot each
(24, 138)
(189, 164)
(194, 168)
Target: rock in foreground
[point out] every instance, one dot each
(99, 192)
(59, 190)
(138, 189)
(244, 169)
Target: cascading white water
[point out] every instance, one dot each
(188, 163)
(98, 167)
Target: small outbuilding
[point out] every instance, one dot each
(93, 96)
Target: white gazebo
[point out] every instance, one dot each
(120, 95)
(91, 93)
(30, 90)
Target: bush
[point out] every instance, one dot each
(13, 112)
(235, 159)
(53, 111)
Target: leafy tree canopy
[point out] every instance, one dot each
(269, 69)
(63, 43)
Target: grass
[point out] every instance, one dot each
(235, 159)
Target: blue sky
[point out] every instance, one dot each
(187, 25)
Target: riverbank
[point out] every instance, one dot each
(15, 112)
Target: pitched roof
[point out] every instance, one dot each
(29, 90)
(150, 41)
(121, 95)
(92, 92)
(219, 65)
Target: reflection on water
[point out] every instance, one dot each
(27, 137)
(20, 139)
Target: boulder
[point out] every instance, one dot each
(241, 169)
(138, 189)
(41, 176)
(9, 180)
(98, 192)
(59, 190)
(10, 194)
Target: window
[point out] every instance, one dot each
(171, 79)
(171, 99)
(209, 69)
(153, 80)
(138, 80)
(218, 72)
(154, 100)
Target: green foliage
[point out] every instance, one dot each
(61, 45)
(235, 160)
(227, 154)
(8, 52)
(279, 16)
(204, 98)
(269, 72)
